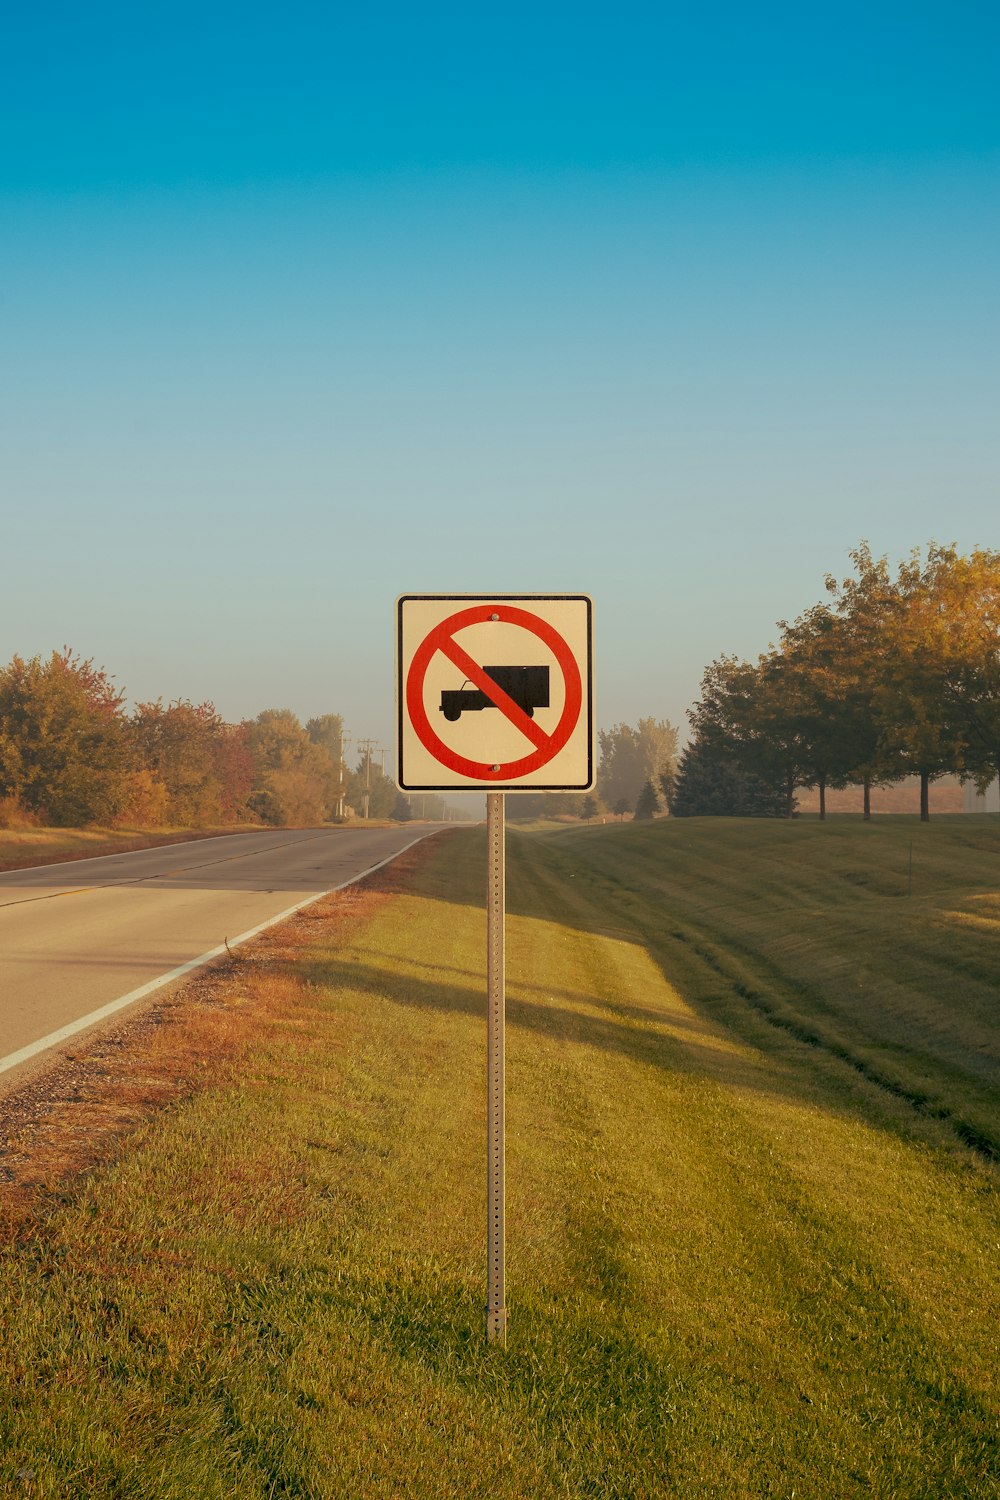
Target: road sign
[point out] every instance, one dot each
(495, 692)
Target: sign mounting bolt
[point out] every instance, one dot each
(496, 768)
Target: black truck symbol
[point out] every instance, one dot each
(528, 686)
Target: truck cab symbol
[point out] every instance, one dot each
(528, 686)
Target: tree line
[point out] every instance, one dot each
(895, 674)
(635, 774)
(71, 755)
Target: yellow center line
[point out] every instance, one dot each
(161, 874)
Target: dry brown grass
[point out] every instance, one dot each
(946, 796)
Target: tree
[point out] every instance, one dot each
(369, 782)
(668, 787)
(203, 765)
(742, 718)
(589, 809)
(525, 806)
(921, 723)
(177, 745)
(621, 807)
(430, 808)
(328, 731)
(292, 773)
(65, 753)
(647, 803)
(631, 756)
(723, 715)
(402, 809)
(710, 783)
(778, 746)
(818, 702)
(864, 606)
(146, 801)
(961, 625)
(234, 770)
(897, 675)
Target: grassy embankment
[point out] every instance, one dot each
(754, 1234)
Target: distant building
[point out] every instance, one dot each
(982, 802)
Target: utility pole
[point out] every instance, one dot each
(345, 740)
(366, 747)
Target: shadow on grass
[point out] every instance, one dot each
(637, 1041)
(728, 977)
(582, 1374)
(628, 1409)
(588, 857)
(626, 1009)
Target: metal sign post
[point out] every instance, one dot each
(494, 693)
(496, 1304)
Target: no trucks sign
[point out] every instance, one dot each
(494, 692)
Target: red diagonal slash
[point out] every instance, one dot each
(504, 702)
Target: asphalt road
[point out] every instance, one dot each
(83, 940)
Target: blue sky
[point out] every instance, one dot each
(303, 308)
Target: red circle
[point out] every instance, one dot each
(477, 615)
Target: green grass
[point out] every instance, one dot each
(753, 1226)
(878, 944)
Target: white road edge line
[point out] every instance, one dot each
(65, 1032)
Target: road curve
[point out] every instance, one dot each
(83, 940)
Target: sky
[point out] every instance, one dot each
(304, 308)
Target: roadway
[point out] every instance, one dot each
(83, 940)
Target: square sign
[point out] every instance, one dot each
(494, 692)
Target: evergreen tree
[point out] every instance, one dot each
(647, 804)
(711, 783)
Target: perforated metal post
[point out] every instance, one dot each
(496, 1305)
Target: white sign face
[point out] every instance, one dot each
(494, 692)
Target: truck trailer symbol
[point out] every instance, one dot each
(528, 686)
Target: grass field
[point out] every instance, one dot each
(753, 1220)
